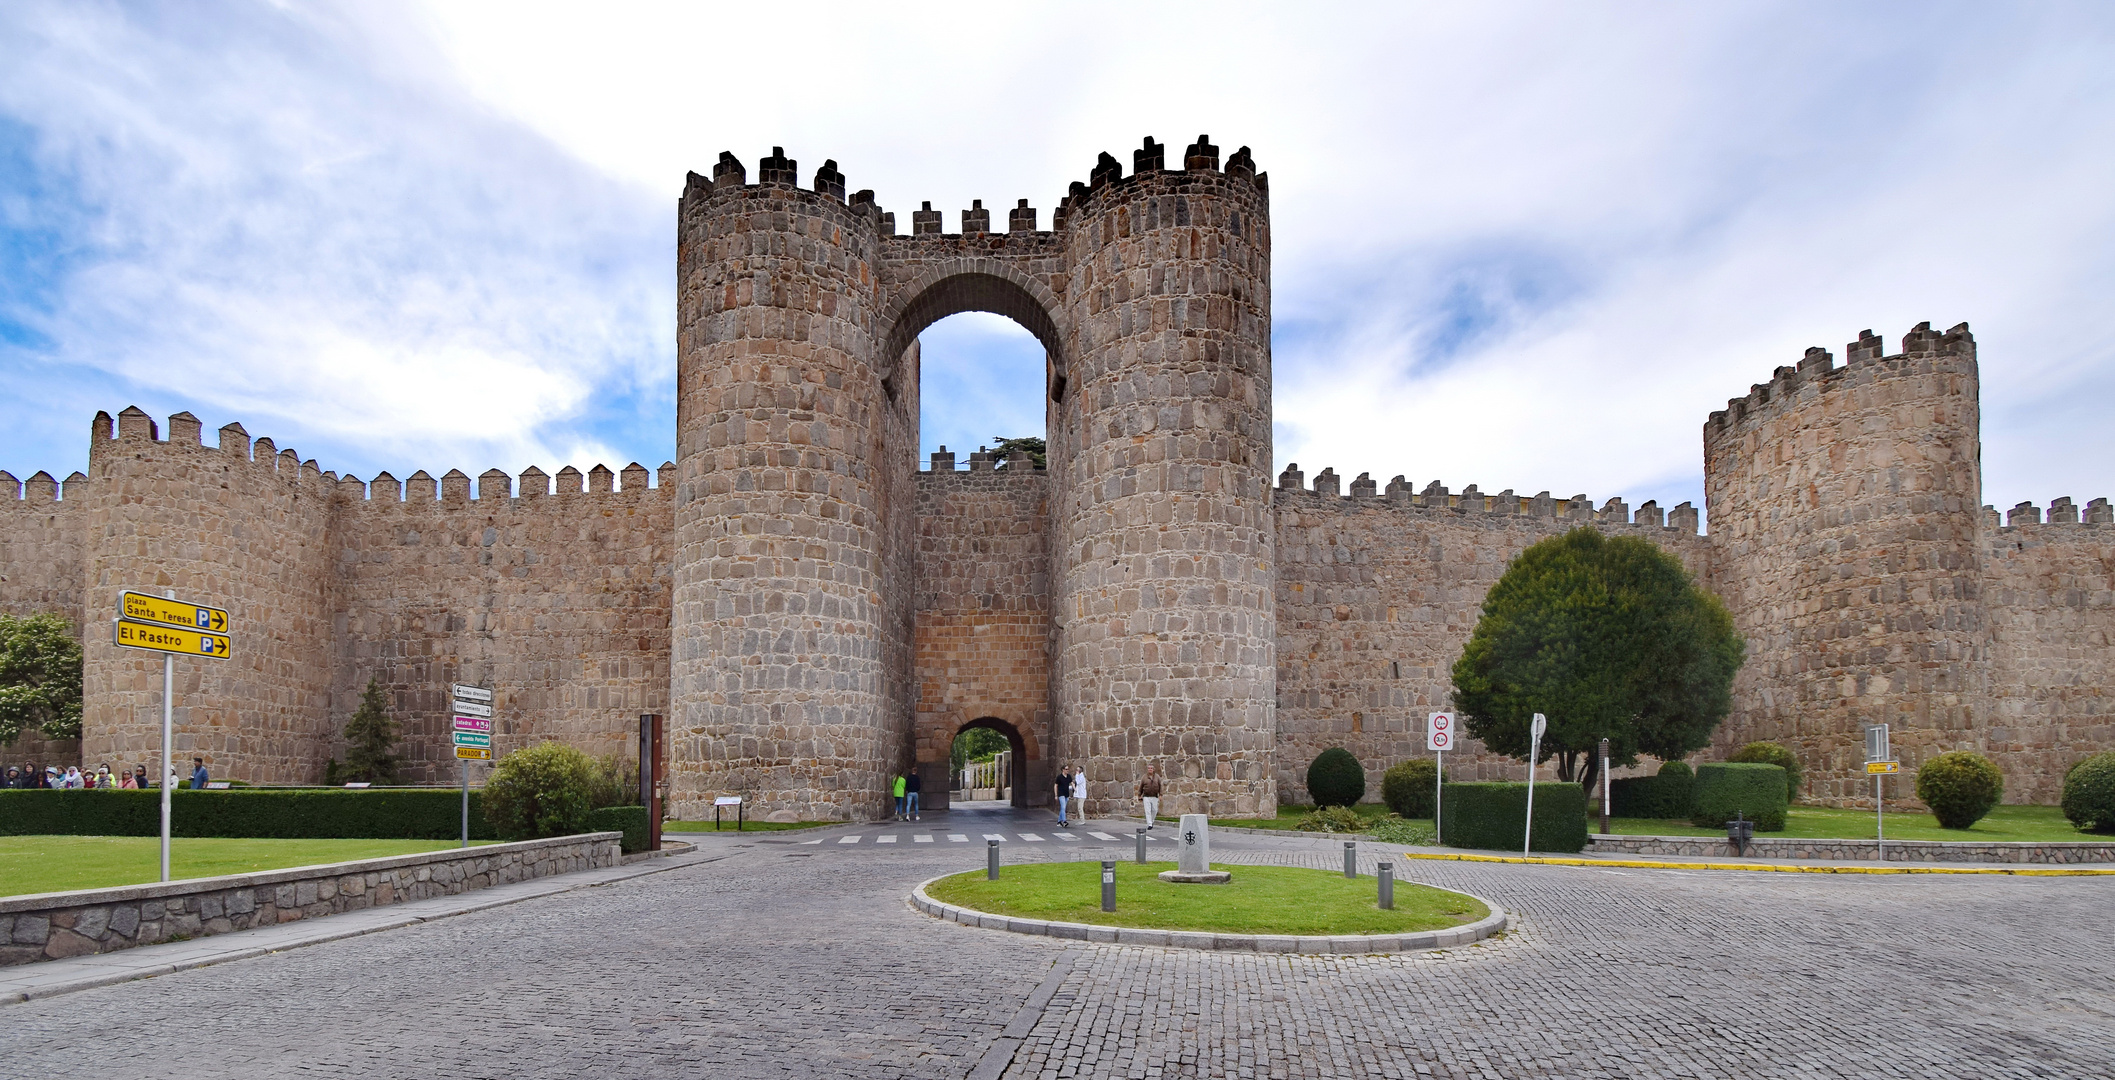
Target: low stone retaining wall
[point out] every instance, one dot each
(49, 926)
(1351, 944)
(1772, 847)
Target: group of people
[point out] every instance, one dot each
(1070, 788)
(28, 775)
(1071, 791)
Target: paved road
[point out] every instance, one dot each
(781, 958)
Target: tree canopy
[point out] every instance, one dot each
(40, 678)
(370, 739)
(1607, 637)
(1031, 447)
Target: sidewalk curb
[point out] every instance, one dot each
(1353, 944)
(1770, 868)
(324, 932)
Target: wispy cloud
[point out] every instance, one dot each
(1525, 245)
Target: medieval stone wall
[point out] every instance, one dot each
(556, 599)
(1378, 592)
(2050, 591)
(781, 629)
(983, 613)
(43, 542)
(1166, 635)
(1844, 509)
(245, 527)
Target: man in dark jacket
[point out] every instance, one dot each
(198, 774)
(910, 793)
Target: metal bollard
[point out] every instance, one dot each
(1387, 886)
(1351, 858)
(991, 860)
(1108, 884)
(1141, 847)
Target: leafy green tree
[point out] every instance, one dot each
(370, 740)
(40, 678)
(976, 744)
(1030, 447)
(1609, 638)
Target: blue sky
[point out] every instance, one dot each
(1517, 245)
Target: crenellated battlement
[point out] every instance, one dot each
(2062, 511)
(1817, 369)
(134, 426)
(1401, 493)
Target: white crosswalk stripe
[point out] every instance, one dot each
(994, 836)
(1031, 838)
(805, 843)
(1101, 836)
(1066, 836)
(847, 839)
(957, 838)
(885, 840)
(923, 838)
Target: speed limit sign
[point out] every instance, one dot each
(1439, 731)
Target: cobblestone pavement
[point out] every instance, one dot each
(784, 959)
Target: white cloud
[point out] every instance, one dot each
(1526, 245)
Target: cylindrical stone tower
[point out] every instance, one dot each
(778, 688)
(1844, 506)
(1164, 573)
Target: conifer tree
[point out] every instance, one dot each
(370, 737)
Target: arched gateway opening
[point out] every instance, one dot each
(981, 624)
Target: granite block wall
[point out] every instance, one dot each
(2050, 592)
(1379, 590)
(43, 542)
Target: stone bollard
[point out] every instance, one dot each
(1387, 886)
(1141, 847)
(991, 860)
(1351, 858)
(1194, 864)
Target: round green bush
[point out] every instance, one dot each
(2089, 793)
(1336, 778)
(1960, 786)
(1770, 753)
(1675, 768)
(1407, 788)
(544, 790)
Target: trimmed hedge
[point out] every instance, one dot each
(1336, 778)
(1754, 791)
(1960, 786)
(1770, 753)
(2089, 793)
(1664, 796)
(1493, 816)
(283, 814)
(1407, 788)
(629, 820)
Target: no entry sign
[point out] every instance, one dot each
(1439, 731)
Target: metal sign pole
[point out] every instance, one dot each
(1439, 784)
(1604, 787)
(465, 763)
(1527, 835)
(168, 737)
(1879, 817)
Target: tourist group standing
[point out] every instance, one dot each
(30, 775)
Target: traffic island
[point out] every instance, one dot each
(1262, 909)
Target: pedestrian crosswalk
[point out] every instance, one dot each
(855, 839)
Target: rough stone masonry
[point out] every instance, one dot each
(814, 612)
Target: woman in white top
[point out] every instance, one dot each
(1079, 792)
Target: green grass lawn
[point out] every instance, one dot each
(35, 864)
(1260, 900)
(1289, 816)
(749, 826)
(2005, 823)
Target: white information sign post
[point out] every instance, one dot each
(1879, 762)
(1439, 738)
(472, 709)
(1541, 724)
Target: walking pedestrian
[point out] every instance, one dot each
(1149, 793)
(198, 774)
(911, 786)
(898, 788)
(1063, 790)
(1079, 792)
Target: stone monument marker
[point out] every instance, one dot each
(1194, 863)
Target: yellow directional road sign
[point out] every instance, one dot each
(169, 639)
(1878, 767)
(140, 607)
(474, 753)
